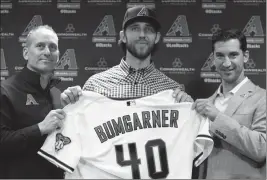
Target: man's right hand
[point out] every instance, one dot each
(70, 95)
(52, 121)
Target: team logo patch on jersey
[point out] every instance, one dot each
(61, 141)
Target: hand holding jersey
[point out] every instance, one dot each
(145, 140)
(72, 94)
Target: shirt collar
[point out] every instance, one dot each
(128, 69)
(235, 89)
(33, 78)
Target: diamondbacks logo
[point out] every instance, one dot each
(30, 100)
(208, 71)
(35, 22)
(4, 71)
(143, 12)
(105, 32)
(67, 66)
(254, 31)
(61, 141)
(209, 64)
(178, 33)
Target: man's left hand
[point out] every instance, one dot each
(206, 108)
(181, 96)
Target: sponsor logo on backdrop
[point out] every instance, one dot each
(213, 6)
(3, 69)
(105, 33)
(208, 71)
(68, 6)
(6, 6)
(214, 29)
(178, 36)
(71, 33)
(147, 3)
(177, 67)
(100, 66)
(251, 68)
(178, 2)
(250, 2)
(35, 2)
(4, 34)
(104, 2)
(67, 66)
(254, 32)
(36, 21)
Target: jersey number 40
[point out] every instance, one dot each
(134, 161)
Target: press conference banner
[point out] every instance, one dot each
(89, 31)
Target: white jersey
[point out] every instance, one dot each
(150, 137)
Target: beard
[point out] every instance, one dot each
(142, 52)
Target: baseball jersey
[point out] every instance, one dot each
(150, 137)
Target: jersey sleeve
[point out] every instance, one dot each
(204, 142)
(63, 147)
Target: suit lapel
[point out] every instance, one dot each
(244, 92)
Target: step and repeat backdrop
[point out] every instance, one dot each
(89, 31)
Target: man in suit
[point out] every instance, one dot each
(237, 114)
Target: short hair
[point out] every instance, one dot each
(28, 38)
(227, 34)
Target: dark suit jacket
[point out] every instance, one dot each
(240, 137)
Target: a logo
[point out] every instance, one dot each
(146, 3)
(177, 63)
(68, 6)
(70, 28)
(70, 33)
(35, 2)
(35, 22)
(143, 12)
(178, 35)
(67, 66)
(131, 103)
(4, 34)
(6, 6)
(101, 65)
(208, 71)
(178, 2)
(177, 68)
(105, 33)
(251, 68)
(31, 100)
(104, 2)
(254, 31)
(214, 29)
(4, 71)
(213, 6)
(61, 141)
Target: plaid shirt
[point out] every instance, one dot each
(124, 82)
